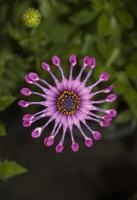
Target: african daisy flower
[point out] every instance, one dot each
(69, 102)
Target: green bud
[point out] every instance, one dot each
(31, 18)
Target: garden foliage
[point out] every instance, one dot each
(105, 29)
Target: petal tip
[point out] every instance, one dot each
(55, 60)
(89, 142)
(73, 59)
(25, 91)
(97, 135)
(49, 141)
(75, 147)
(23, 103)
(36, 132)
(59, 148)
(86, 61)
(104, 76)
(45, 66)
(92, 62)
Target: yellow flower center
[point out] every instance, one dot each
(68, 102)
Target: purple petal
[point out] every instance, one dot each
(27, 79)
(93, 62)
(104, 76)
(97, 135)
(112, 112)
(23, 103)
(86, 61)
(89, 142)
(49, 141)
(111, 97)
(75, 147)
(27, 117)
(56, 60)
(109, 89)
(36, 132)
(25, 91)
(59, 148)
(33, 76)
(73, 59)
(45, 66)
(27, 123)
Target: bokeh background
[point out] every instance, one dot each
(106, 29)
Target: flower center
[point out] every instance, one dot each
(68, 102)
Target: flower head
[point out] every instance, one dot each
(69, 102)
(31, 18)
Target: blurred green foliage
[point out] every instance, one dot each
(9, 169)
(106, 29)
(2, 130)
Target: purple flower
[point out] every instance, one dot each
(70, 102)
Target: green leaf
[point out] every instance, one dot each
(83, 17)
(117, 3)
(1, 67)
(45, 7)
(60, 34)
(123, 117)
(124, 87)
(2, 129)
(133, 38)
(61, 7)
(125, 18)
(9, 169)
(131, 71)
(105, 47)
(103, 24)
(113, 56)
(99, 4)
(5, 101)
(133, 58)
